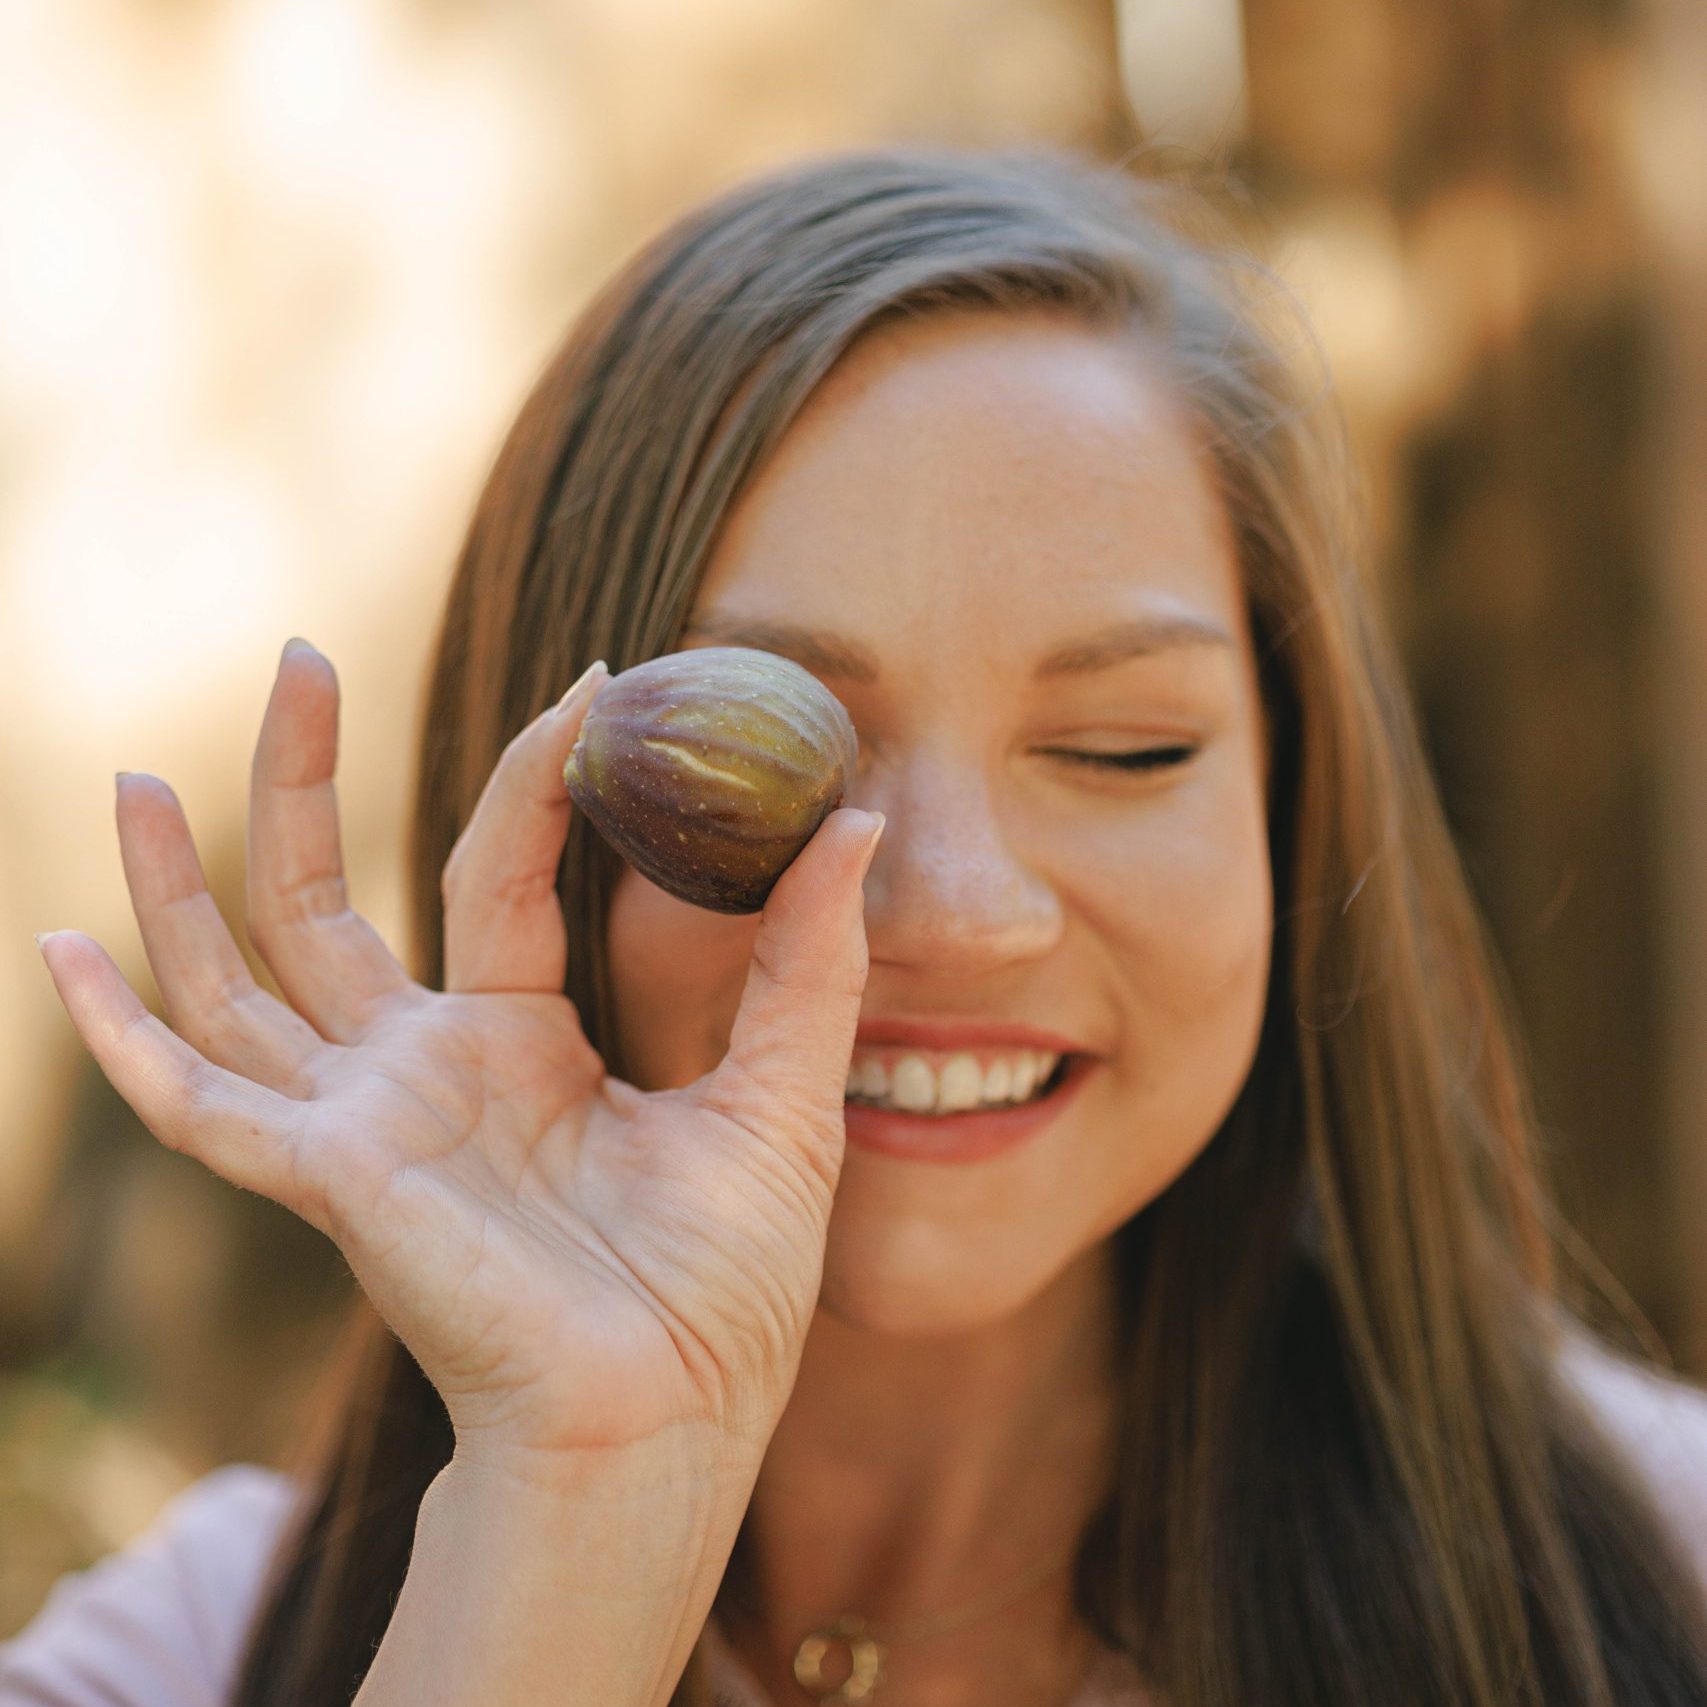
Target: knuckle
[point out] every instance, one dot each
(229, 992)
(451, 875)
(307, 900)
(213, 1027)
(522, 888)
(504, 888)
(171, 1136)
(761, 1107)
(322, 895)
(198, 1090)
(793, 972)
(782, 968)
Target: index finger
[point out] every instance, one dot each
(504, 925)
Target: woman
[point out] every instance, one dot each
(1229, 1366)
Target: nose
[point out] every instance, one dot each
(952, 890)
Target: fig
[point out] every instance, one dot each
(709, 770)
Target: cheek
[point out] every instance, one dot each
(1190, 934)
(1210, 927)
(1184, 896)
(677, 973)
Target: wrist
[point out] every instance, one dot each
(583, 1578)
(692, 1459)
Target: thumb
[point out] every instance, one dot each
(794, 1030)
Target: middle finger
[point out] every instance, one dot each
(330, 962)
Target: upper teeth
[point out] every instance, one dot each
(927, 1082)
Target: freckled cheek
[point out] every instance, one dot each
(1185, 899)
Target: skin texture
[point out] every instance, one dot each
(963, 494)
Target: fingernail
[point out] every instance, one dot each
(299, 644)
(120, 778)
(42, 936)
(581, 681)
(879, 820)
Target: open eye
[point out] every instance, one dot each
(1147, 759)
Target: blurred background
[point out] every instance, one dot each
(275, 275)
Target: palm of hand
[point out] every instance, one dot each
(557, 1233)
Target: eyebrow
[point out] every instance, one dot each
(830, 654)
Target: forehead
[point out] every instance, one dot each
(984, 476)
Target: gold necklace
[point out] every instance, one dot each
(868, 1645)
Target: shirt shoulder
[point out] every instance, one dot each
(1660, 1420)
(161, 1622)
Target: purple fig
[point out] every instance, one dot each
(709, 770)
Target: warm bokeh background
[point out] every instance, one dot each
(276, 273)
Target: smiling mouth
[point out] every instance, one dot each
(1044, 1088)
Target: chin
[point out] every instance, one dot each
(879, 1294)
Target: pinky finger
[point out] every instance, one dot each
(239, 1129)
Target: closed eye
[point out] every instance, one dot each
(1149, 758)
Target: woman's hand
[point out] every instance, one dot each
(575, 1264)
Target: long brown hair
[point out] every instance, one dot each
(1350, 1469)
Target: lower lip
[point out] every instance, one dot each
(969, 1136)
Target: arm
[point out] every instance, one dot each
(588, 1588)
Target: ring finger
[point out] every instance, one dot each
(210, 997)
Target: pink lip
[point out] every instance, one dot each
(961, 1034)
(970, 1136)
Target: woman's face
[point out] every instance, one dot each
(971, 505)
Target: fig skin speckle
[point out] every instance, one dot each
(709, 770)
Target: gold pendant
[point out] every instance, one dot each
(865, 1657)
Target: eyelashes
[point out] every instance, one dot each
(1149, 759)
(1143, 759)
